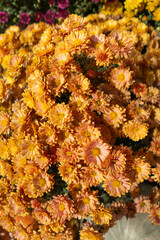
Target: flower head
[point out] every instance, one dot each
(38, 16)
(49, 17)
(3, 17)
(96, 152)
(62, 4)
(25, 18)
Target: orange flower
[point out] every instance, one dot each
(101, 215)
(78, 83)
(118, 210)
(4, 122)
(143, 204)
(96, 152)
(86, 202)
(122, 44)
(156, 173)
(142, 170)
(154, 215)
(116, 185)
(136, 130)
(72, 23)
(103, 55)
(90, 234)
(155, 145)
(78, 42)
(60, 208)
(114, 115)
(59, 115)
(117, 162)
(121, 77)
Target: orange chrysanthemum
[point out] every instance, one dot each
(101, 215)
(135, 130)
(155, 145)
(156, 173)
(143, 204)
(90, 234)
(96, 152)
(86, 202)
(114, 115)
(121, 78)
(61, 208)
(116, 185)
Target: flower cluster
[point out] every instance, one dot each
(147, 10)
(79, 126)
(14, 12)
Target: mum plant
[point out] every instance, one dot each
(79, 126)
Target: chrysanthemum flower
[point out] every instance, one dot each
(70, 171)
(4, 150)
(40, 214)
(142, 170)
(86, 202)
(87, 132)
(116, 185)
(152, 96)
(78, 42)
(139, 89)
(36, 84)
(19, 118)
(4, 122)
(16, 205)
(137, 109)
(20, 232)
(60, 208)
(47, 133)
(143, 204)
(157, 14)
(59, 115)
(3, 90)
(69, 153)
(28, 99)
(78, 101)
(121, 77)
(101, 215)
(90, 234)
(35, 185)
(114, 115)
(124, 44)
(135, 130)
(73, 23)
(99, 101)
(96, 152)
(78, 83)
(55, 83)
(155, 145)
(103, 55)
(30, 147)
(117, 162)
(93, 176)
(155, 214)
(118, 210)
(156, 173)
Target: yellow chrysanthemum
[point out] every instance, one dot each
(135, 130)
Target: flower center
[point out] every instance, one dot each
(68, 153)
(61, 116)
(77, 42)
(86, 200)
(41, 182)
(121, 77)
(96, 151)
(61, 207)
(116, 183)
(138, 169)
(113, 115)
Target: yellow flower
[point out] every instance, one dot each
(157, 14)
